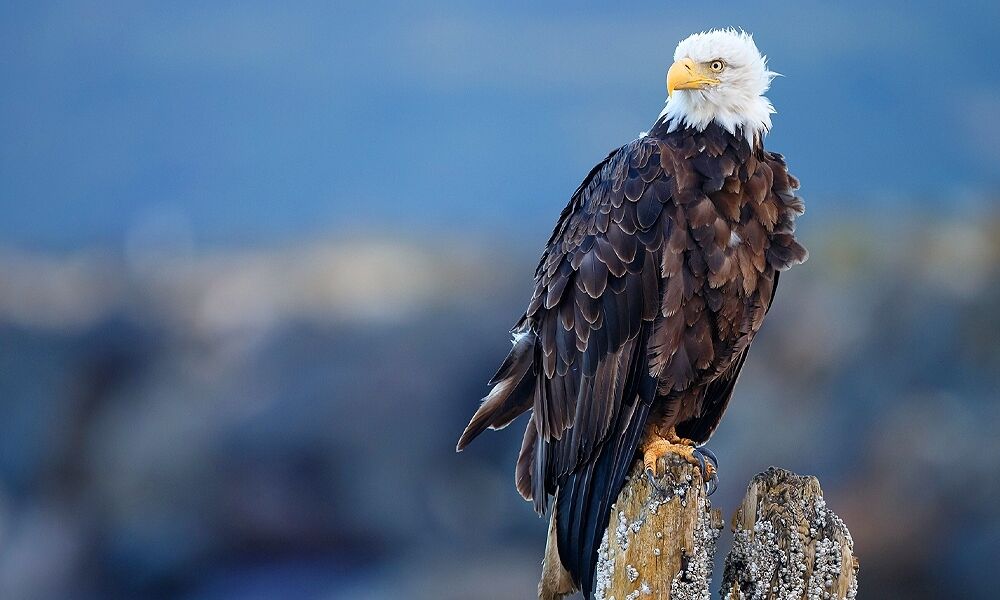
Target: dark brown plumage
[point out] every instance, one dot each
(647, 296)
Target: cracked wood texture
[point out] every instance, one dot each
(659, 543)
(788, 545)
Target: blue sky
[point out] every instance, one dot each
(248, 122)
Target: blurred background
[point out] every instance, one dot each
(258, 260)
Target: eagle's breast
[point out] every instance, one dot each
(732, 212)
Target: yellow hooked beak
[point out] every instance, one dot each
(686, 74)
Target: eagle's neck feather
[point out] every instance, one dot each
(749, 114)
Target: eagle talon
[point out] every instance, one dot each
(709, 471)
(701, 465)
(712, 485)
(709, 455)
(651, 477)
(658, 445)
(709, 468)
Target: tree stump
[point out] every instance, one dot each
(659, 544)
(788, 545)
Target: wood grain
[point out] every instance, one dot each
(659, 543)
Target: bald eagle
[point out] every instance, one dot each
(648, 295)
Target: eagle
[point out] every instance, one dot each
(648, 295)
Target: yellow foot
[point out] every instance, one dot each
(657, 446)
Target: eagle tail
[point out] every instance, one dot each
(556, 582)
(584, 500)
(512, 390)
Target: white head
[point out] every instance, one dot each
(720, 76)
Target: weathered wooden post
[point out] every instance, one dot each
(788, 545)
(661, 543)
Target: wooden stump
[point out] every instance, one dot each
(659, 544)
(788, 545)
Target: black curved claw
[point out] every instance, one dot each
(712, 485)
(710, 455)
(701, 463)
(711, 482)
(652, 482)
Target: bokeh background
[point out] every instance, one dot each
(258, 260)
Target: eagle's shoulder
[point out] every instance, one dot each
(614, 211)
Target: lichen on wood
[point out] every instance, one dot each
(788, 545)
(660, 543)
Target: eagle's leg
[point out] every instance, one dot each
(660, 443)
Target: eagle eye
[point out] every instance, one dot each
(717, 65)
